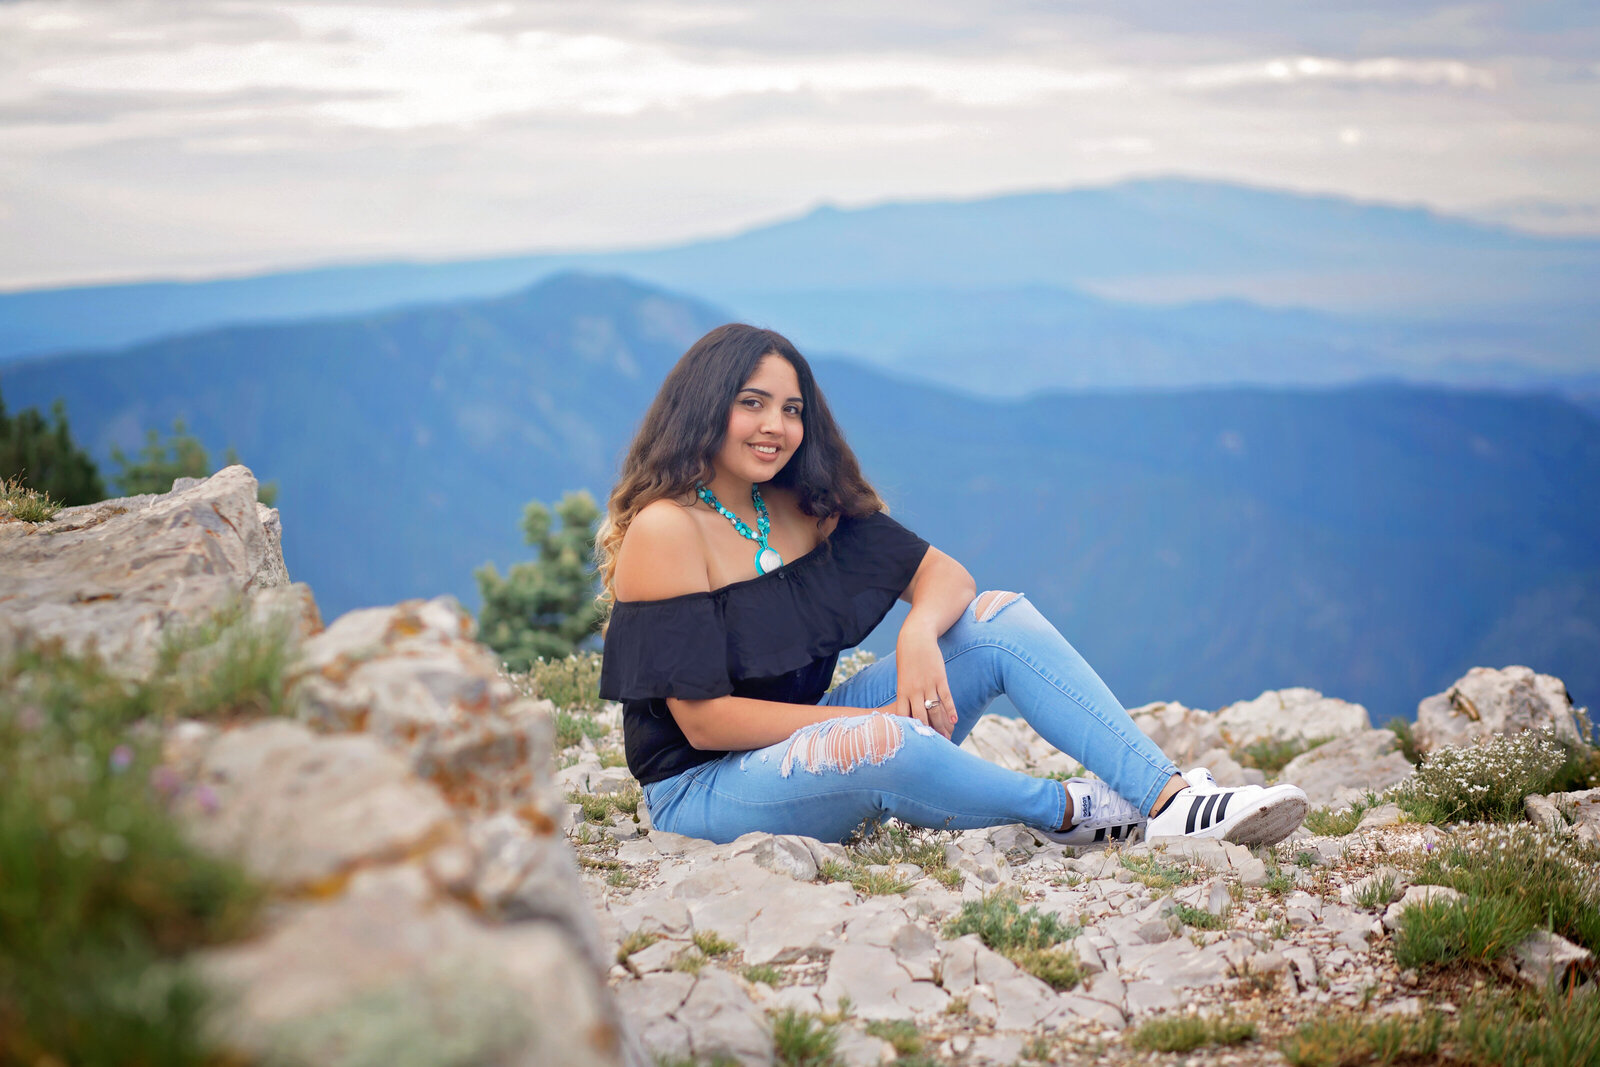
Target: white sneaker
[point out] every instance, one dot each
(1099, 815)
(1243, 815)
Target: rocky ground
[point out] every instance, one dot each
(454, 870)
(712, 941)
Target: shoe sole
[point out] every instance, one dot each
(1274, 818)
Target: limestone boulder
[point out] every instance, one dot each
(1290, 715)
(112, 577)
(1184, 734)
(412, 676)
(302, 811)
(1487, 701)
(388, 969)
(1341, 771)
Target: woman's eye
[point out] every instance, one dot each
(792, 410)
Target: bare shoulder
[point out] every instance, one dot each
(662, 554)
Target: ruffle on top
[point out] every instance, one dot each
(701, 645)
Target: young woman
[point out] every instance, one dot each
(743, 551)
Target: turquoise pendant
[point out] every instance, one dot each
(767, 559)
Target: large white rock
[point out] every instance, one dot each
(1290, 715)
(111, 577)
(386, 971)
(1185, 734)
(1348, 767)
(301, 810)
(1487, 701)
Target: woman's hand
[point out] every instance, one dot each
(920, 677)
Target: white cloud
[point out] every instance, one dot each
(145, 136)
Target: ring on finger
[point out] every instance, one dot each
(929, 705)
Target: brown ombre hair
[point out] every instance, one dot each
(685, 426)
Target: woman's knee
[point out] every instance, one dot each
(842, 745)
(990, 603)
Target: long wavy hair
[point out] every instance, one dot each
(684, 429)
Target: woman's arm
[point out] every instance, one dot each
(939, 592)
(738, 724)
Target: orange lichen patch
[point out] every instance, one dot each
(536, 820)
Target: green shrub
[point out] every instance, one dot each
(1185, 1033)
(571, 683)
(1405, 733)
(101, 896)
(571, 728)
(1484, 782)
(1271, 755)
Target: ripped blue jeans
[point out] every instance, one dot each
(828, 778)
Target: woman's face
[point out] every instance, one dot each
(764, 427)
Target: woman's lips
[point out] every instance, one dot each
(768, 457)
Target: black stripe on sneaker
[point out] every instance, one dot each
(1100, 834)
(1194, 809)
(1205, 816)
(1222, 809)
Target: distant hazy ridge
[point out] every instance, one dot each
(1373, 542)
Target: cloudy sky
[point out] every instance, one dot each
(149, 138)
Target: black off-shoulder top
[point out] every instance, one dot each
(773, 637)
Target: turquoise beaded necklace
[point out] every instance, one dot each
(767, 558)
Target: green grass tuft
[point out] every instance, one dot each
(1549, 880)
(1199, 918)
(1028, 938)
(1348, 1041)
(1160, 874)
(901, 1033)
(19, 502)
(637, 941)
(1326, 822)
(1447, 934)
(1376, 893)
(1185, 1033)
(1270, 755)
(872, 883)
(101, 896)
(600, 807)
(1501, 1026)
(803, 1040)
(713, 944)
(764, 973)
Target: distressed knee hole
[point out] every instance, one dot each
(992, 603)
(843, 744)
